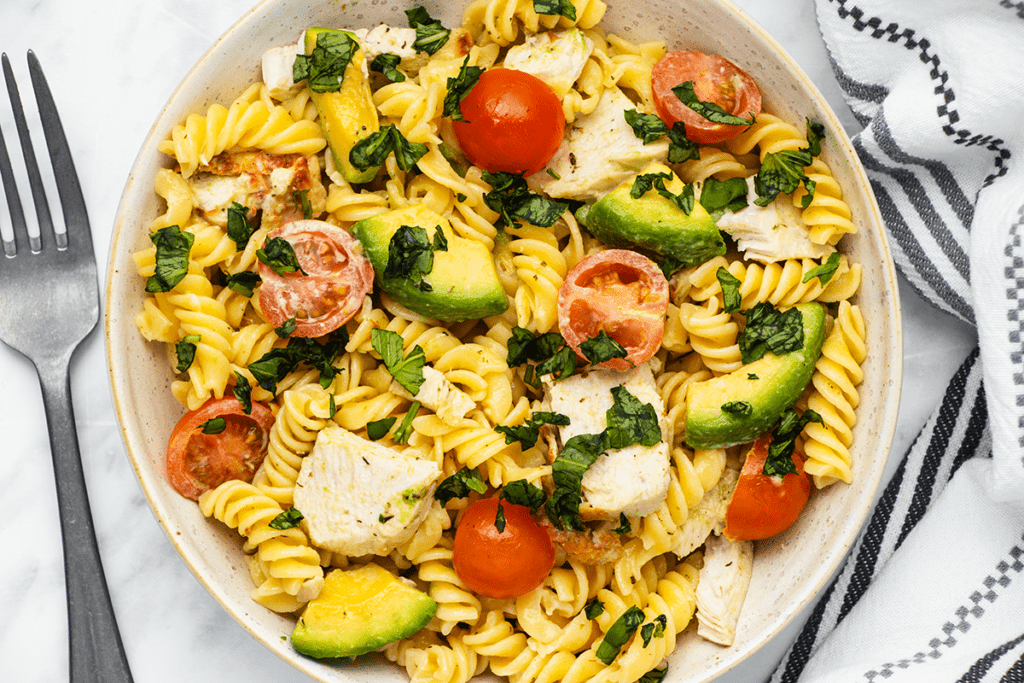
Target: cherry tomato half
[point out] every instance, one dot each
(198, 462)
(513, 122)
(763, 506)
(621, 293)
(715, 79)
(338, 277)
(503, 564)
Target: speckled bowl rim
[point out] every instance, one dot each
(117, 330)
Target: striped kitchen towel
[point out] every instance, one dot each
(933, 590)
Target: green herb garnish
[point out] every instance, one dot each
(619, 633)
(708, 110)
(387, 64)
(528, 432)
(513, 200)
(186, 351)
(288, 519)
(172, 249)
(459, 485)
(378, 429)
(323, 68)
(408, 370)
(430, 34)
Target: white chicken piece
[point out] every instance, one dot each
(599, 152)
(632, 480)
(771, 233)
(268, 182)
(360, 497)
(722, 587)
(386, 39)
(555, 57)
(450, 403)
(707, 517)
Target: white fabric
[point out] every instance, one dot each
(934, 588)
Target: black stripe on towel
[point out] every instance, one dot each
(983, 665)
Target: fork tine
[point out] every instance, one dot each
(27, 151)
(11, 190)
(76, 217)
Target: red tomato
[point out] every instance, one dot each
(763, 506)
(198, 462)
(513, 122)
(506, 564)
(715, 79)
(338, 277)
(621, 293)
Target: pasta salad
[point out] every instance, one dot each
(500, 345)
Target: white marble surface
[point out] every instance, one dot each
(112, 64)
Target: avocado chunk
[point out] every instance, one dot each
(359, 611)
(463, 282)
(653, 224)
(768, 386)
(347, 115)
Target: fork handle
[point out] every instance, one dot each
(96, 652)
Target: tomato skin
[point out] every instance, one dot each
(715, 79)
(198, 462)
(338, 278)
(513, 122)
(506, 564)
(763, 506)
(620, 292)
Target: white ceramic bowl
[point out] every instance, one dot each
(789, 570)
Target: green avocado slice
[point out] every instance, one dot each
(463, 283)
(653, 224)
(769, 386)
(359, 611)
(348, 115)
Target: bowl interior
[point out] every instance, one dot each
(789, 569)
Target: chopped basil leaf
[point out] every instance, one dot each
(680, 147)
(669, 265)
(411, 255)
(277, 253)
(440, 241)
(810, 186)
(214, 425)
(624, 526)
(528, 432)
(243, 392)
(372, 150)
(522, 492)
(172, 248)
(378, 429)
(563, 8)
(647, 127)
(730, 289)
(458, 88)
(561, 365)
(460, 197)
(654, 675)
(288, 519)
(655, 629)
(407, 371)
(708, 110)
(239, 227)
(186, 351)
(825, 271)
(752, 376)
(499, 518)
(332, 407)
(772, 330)
(301, 198)
(404, 430)
(630, 421)
(643, 184)
(719, 196)
(243, 283)
(553, 173)
(602, 348)
(430, 34)
(575, 458)
(459, 485)
(459, 163)
(324, 68)
(594, 609)
(620, 632)
(738, 408)
(274, 365)
(513, 200)
(286, 329)
(387, 64)
(782, 172)
(650, 127)
(780, 452)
